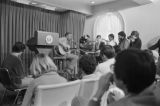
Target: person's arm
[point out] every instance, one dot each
(155, 46)
(104, 83)
(139, 44)
(17, 73)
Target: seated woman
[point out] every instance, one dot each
(45, 72)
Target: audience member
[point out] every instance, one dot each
(87, 65)
(107, 54)
(154, 54)
(123, 42)
(45, 71)
(134, 73)
(112, 94)
(15, 67)
(98, 57)
(111, 42)
(135, 41)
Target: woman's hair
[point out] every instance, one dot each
(42, 64)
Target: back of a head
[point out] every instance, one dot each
(101, 45)
(18, 47)
(122, 33)
(108, 51)
(98, 36)
(88, 64)
(42, 64)
(136, 69)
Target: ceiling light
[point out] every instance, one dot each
(22, 1)
(92, 2)
(153, 0)
(33, 3)
(48, 7)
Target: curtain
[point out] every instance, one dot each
(107, 24)
(72, 22)
(18, 22)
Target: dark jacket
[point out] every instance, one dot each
(136, 44)
(15, 69)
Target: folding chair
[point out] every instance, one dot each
(88, 89)
(8, 85)
(56, 95)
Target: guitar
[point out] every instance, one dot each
(64, 50)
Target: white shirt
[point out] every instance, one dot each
(91, 76)
(64, 42)
(112, 43)
(105, 67)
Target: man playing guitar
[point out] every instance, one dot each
(64, 49)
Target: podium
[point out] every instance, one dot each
(45, 41)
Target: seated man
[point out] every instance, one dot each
(134, 73)
(15, 67)
(87, 65)
(123, 41)
(64, 50)
(111, 42)
(107, 54)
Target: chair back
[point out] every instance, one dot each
(5, 78)
(56, 95)
(88, 88)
